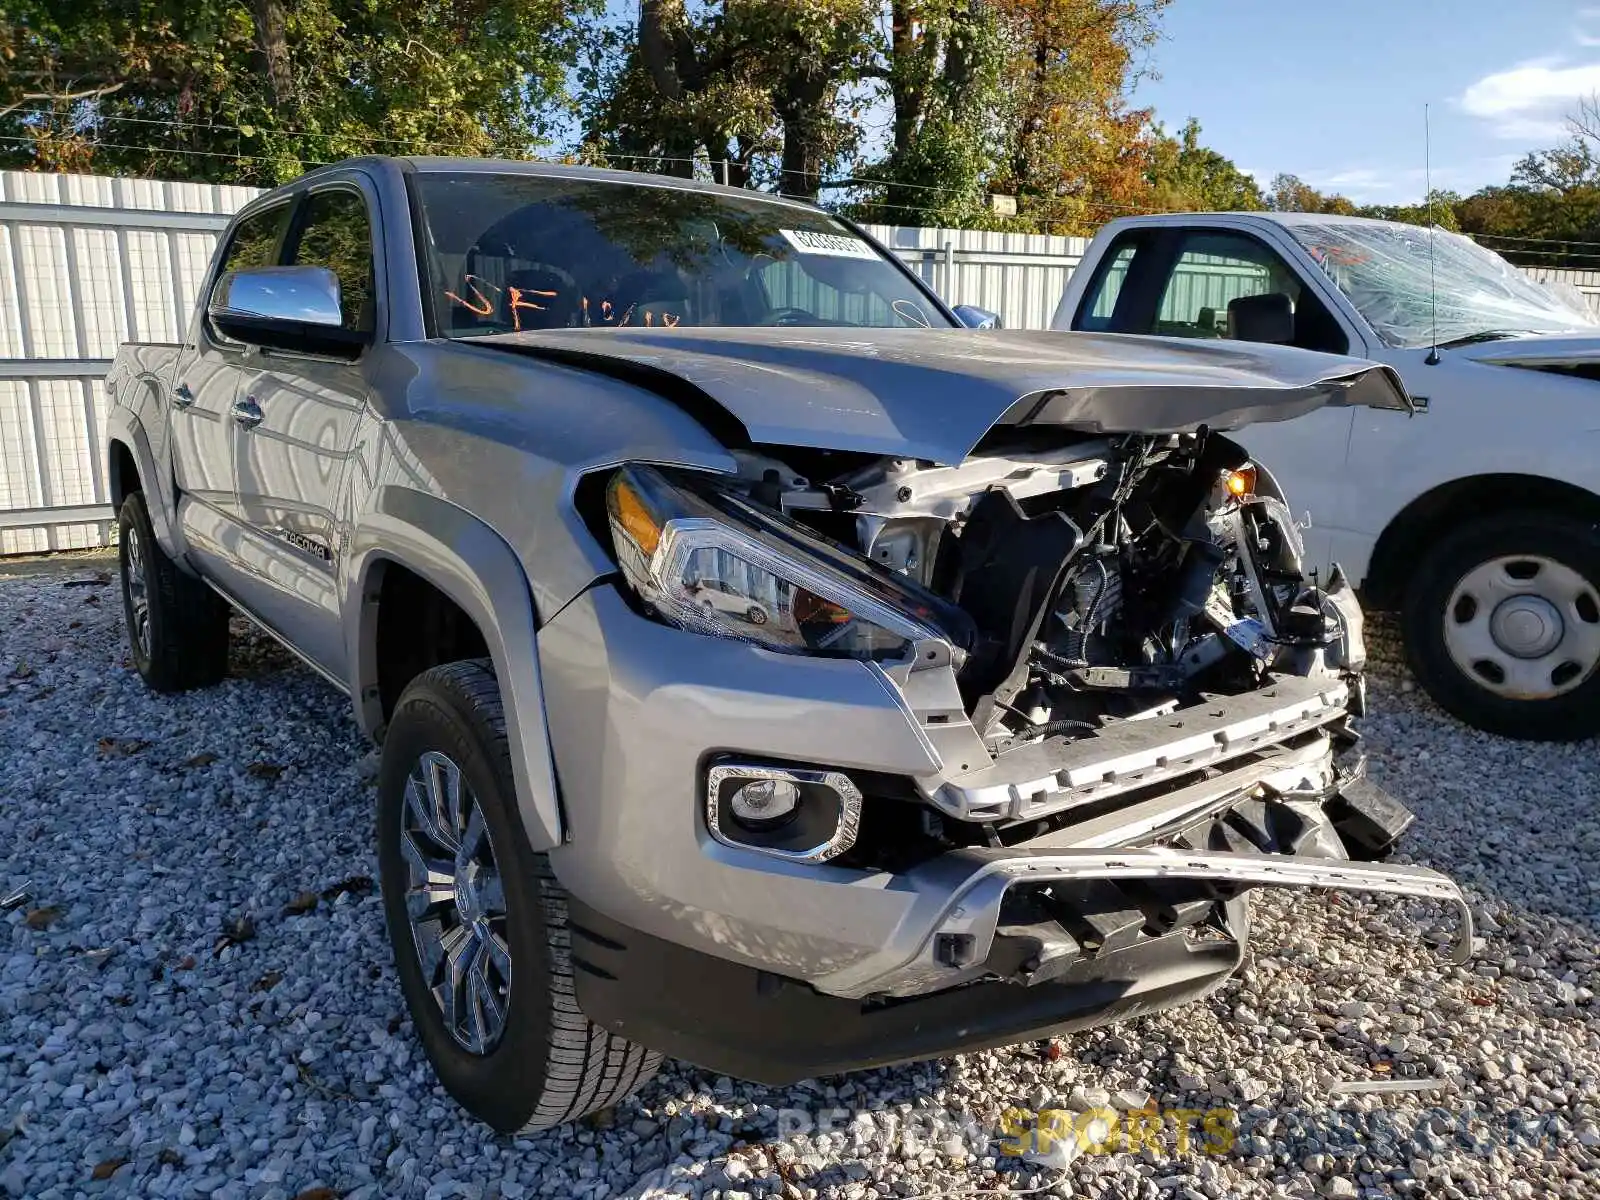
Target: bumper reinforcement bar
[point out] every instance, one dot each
(972, 910)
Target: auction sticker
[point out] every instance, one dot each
(834, 245)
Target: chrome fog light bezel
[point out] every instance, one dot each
(809, 780)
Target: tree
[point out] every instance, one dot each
(943, 70)
(1077, 154)
(1185, 176)
(166, 88)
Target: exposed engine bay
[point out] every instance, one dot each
(1118, 578)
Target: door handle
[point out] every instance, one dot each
(247, 412)
(182, 396)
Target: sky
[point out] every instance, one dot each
(1334, 91)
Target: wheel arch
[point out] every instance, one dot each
(1433, 513)
(476, 571)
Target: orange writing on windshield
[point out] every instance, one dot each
(479, 302)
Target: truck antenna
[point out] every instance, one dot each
(1427, 183)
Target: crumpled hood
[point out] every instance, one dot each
(934, 393)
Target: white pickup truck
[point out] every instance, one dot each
(1478, 517)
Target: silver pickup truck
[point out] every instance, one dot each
(768, 670)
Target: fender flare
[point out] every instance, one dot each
(472, 565)
(124, 428)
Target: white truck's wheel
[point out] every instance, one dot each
(478, 921)
(177, 626)
(1502, 625)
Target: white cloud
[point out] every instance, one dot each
(1586, 27)
(1530, 101)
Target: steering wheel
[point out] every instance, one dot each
(789, 316)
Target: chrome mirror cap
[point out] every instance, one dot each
(304, 295)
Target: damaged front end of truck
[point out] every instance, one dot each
(1131, 701)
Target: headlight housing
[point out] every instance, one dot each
(705, 559)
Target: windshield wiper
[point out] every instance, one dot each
(1487, 335)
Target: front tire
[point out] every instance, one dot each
(177, 626)
(478, 921)
(1501, 622)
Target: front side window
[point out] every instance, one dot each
(254, 242)
(513, 252)
(335, 233)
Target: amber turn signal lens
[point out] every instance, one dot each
(633, 514)
(1243, 481)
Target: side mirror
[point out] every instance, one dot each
(284, 308)
(1268, 318)
(974, 317)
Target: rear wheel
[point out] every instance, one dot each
(177, 626)
(478, 921)
(1502, 625)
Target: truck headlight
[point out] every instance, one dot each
(707, 560)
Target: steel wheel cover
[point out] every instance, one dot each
(1524, 626)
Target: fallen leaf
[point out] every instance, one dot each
(113, 747)
(234, 931)
(108, 1168)
(318, 1193)
(301, 904)
(74, 624)
(169, 1157)
(99, 579)
(204, 759)
(264, 770)
(601, 1118)
(267, 982)
(91, 598)
(43, 918)
(357, 884)
(186, 963)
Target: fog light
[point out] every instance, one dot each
(798, 813)
(762, 803)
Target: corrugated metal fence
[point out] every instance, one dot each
(87, 263)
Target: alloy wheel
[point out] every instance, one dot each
(136, 591)
(455, 902)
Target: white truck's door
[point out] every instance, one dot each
(1195, 281)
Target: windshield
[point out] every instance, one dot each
(1384, 270)
(508, 252)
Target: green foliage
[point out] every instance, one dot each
(1185, 176)
(259, 92)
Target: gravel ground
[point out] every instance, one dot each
(197, 998)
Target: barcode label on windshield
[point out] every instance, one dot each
(834, 245)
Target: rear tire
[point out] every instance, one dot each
(1483, 605)
(467, 899)
(177, 626)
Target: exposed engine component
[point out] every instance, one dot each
(1109, 579)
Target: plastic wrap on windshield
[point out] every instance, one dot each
(1385, 271)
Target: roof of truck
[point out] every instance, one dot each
(514, 166)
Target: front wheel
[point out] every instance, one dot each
(1502, 625)
(478, 921)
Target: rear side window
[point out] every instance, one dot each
(1101, 304)
(335, 233)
